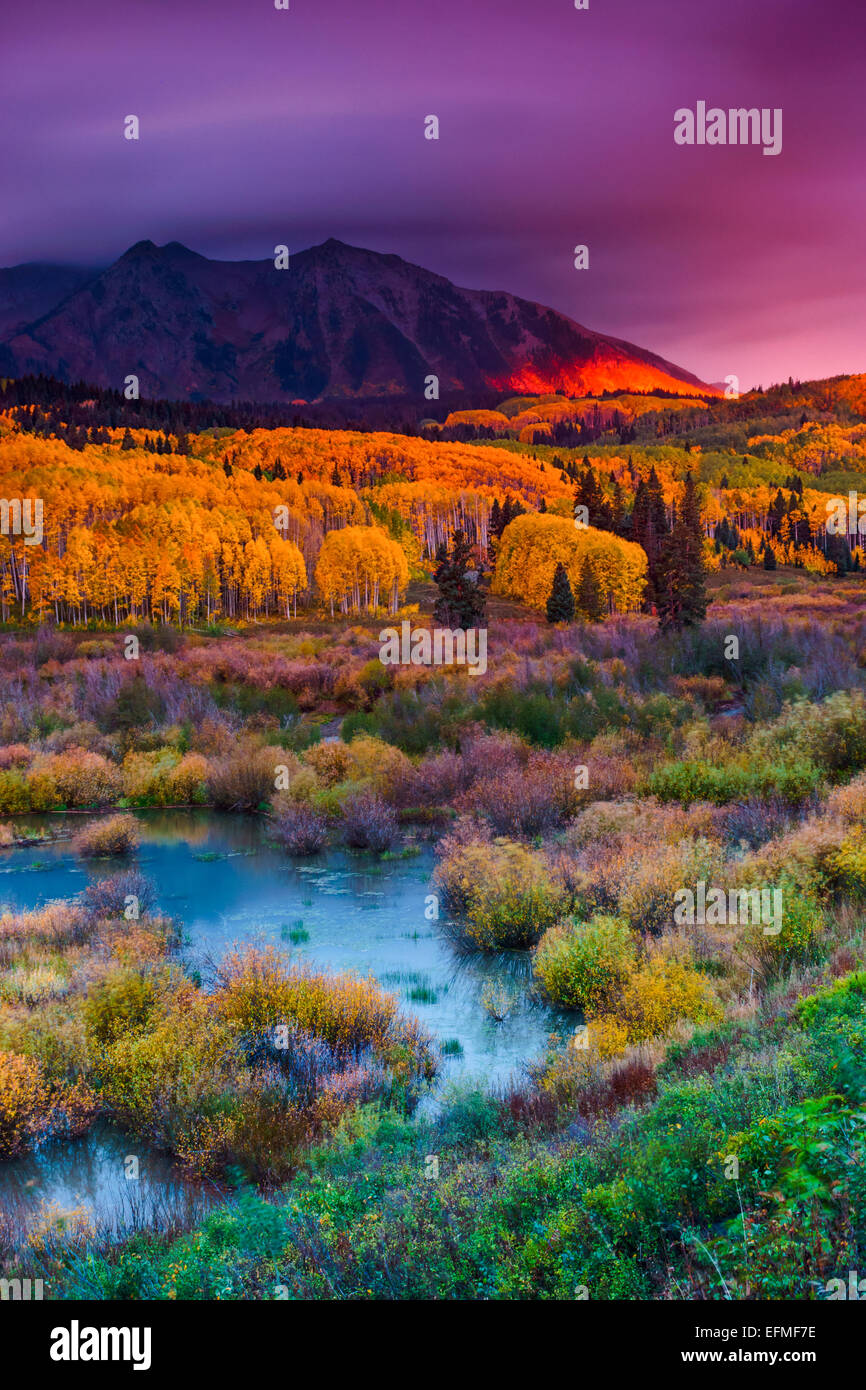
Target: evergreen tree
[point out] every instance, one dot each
(769, 556)
(649, 527)
(560, 604)
(681, 587)
(462, 601)
(227, 468)
(257, 473)
(590, 595)
(127, 442)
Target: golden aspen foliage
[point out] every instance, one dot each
(532, 546)
(361, 568)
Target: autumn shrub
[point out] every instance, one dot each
(258, 991)
(164, 778)
(848, 801)
(33, 983)
(584, 965)
(116, 835)
(245, 779)
(368, 822)
(128, 894)
(14, 755)
(639, 881)
(848, 863)
(298, 828)
(661, 993)
(330, 761)
(121, 1003)
(773, 948)
(57, 924)
(500, 895)
(830, 735)
(437, 780)
(33, 1107)
(806, 855)
(76, 779)
(25, 1101)
(378, 764)
(15, 796)
(528, 800)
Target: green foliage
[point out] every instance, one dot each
(584, 965)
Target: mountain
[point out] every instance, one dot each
(339, 322)
(29, 291)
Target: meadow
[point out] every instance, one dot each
(696, 1131)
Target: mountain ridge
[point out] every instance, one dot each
(340, 322)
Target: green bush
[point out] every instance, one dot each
(584, 965)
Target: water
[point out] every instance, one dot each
(218, 874)
(104, 1183)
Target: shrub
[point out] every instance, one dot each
(384, 767)
(122, 1003)
(244, 780)
(330, 762)
(661, 993)
(76, 778)
(164, 778)
(25, 1100)
(584, 965)
(773, 953)
(116, 835)
(33, 984)
(368, 823)
(832, 735)
(107, 899)
(502, 895)
(848, 863)
(527, 800)
(298, 828)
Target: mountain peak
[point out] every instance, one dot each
(342, 321)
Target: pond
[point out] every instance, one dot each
(340, 910)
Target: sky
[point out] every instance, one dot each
(261, 127)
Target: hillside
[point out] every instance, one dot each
(339, 322)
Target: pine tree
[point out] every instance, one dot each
(769, 556)
(127, 442)
(590, 595)
(560, 604)
(649, 527)
(681, 587)
(462, 601)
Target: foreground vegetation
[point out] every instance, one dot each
(700, 1136)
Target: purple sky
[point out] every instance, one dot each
(260, 126)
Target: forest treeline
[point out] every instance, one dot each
(168, 523)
